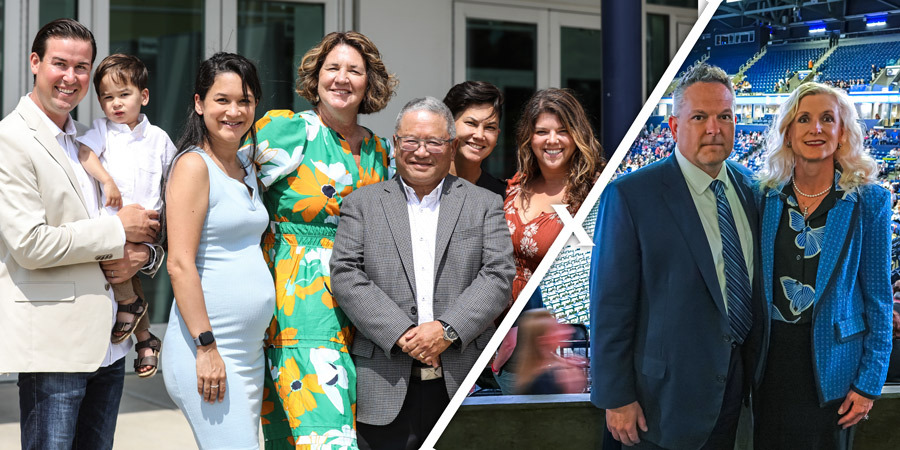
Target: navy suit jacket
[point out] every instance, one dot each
(659, 329)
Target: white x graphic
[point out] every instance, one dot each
(570, 227)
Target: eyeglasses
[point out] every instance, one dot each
(411, 144)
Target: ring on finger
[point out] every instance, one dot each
(866, 417)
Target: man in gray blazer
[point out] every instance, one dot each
(56, 310)
(422, 265)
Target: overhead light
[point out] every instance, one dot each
(732, 1)
(817, 28)
(876, 21)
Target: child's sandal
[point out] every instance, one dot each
(151, 361)
(137, 309)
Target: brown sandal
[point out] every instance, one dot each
(138, 309)
(148, 361)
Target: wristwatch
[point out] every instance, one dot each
(206, 338)
(449, 333)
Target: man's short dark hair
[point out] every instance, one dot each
(122, 69)
(63, 29)
(700, 73)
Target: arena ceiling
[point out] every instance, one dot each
(784, 13)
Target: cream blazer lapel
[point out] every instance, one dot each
(43, 136)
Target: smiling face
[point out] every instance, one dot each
(226, 112)
(477, 130)
(420, 169)
(61, 77)
(704, 126)
(121, 102)
(552, 144)
(816, 130)
(342, 79)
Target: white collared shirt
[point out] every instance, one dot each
(66, 140)
(704, 198)
(423, 221)
(136, 159)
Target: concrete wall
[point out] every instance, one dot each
(416, 42)
(571, 421)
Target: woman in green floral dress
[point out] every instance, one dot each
(308, 162)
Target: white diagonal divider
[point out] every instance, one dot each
(559, 243)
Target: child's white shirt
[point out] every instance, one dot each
(136, 159)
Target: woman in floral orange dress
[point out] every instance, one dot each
(558, 160)
(310, 161)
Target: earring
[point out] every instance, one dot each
(788, 144)
(839, 146)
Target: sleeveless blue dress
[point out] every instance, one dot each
(240, 298)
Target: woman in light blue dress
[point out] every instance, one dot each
(213, 364)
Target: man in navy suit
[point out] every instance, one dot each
(672, 291)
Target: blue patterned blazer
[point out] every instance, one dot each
(852, 313)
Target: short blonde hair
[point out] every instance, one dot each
(857, 167)
(380, 84)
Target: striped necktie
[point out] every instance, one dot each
(737, 282)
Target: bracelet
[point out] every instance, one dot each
(152, 260)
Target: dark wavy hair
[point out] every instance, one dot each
(63, 29)
(469, 93)
(195, 132)
(585, 164)
(122, 69)
(380, 84)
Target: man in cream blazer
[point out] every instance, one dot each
(55, 307)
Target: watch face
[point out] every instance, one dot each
(206, 338)
(450, 334)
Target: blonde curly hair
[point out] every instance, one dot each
(857, 167)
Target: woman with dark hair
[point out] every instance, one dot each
(214, 363)
(476, 107)
(308, 162)
(558, 160)
(825, 246)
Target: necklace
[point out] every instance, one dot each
(806, 208)
(794, 184)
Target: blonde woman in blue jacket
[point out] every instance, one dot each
(826, 276)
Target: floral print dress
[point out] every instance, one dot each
(309, 399)
(530, 240)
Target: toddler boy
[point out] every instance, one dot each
(129, 157)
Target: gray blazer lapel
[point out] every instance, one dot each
(397, 216)
(49, 142)
(453, 196)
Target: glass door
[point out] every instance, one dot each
(576, 49)
(276, 35)
(522, 50)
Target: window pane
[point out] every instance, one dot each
(505, 54)
(51, 10)
(582, 70)
(684, 3)
(167, 35)
(276, 35)
(657, 48)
